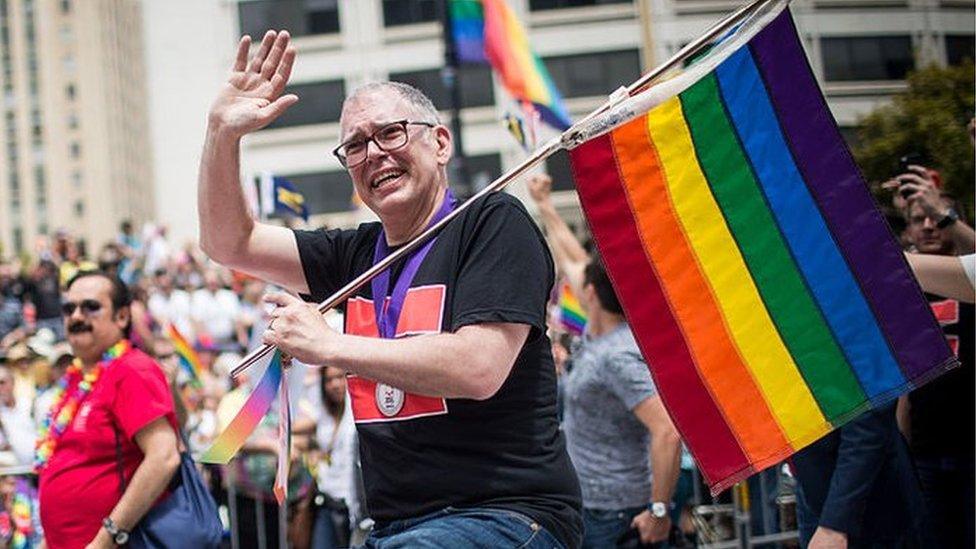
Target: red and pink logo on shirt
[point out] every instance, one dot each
(423, 313)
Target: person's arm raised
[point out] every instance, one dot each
(251, 99)
(570, 256)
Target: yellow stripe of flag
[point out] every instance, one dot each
(750, 325)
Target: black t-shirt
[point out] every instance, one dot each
(421, 454)
(943, 412)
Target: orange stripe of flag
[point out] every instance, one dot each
(692, 300)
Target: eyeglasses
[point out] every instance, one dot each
(390, 137)
(88, 307)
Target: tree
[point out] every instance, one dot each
(930, 119)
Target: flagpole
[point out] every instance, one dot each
(451, 75)
(540, 154)
(692, 48)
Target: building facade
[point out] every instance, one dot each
(75, 132)
(860, 50)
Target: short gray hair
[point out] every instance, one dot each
(412, 95)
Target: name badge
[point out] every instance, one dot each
(389, 400)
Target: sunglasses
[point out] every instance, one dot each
(88, 307)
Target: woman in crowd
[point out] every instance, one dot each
(334, 453)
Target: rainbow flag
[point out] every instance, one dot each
(761, 282)
(230, 440)
(188, 357)
(571, 314)
(488, 31)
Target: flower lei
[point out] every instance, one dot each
(18, 525)
(71, 391)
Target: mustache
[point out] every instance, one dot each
(79, 327)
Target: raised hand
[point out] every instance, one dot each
(252, 96)
(916, 185)
(540, 187)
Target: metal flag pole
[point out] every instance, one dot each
(540, 154)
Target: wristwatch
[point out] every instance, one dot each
(119, 536)
(950, 217)
(658, 509)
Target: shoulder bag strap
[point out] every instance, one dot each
(118, 460)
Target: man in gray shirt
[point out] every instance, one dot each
(613, 414)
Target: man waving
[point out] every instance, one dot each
(450, 373)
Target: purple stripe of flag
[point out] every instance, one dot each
(838, 187)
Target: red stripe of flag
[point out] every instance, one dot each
(662, 343)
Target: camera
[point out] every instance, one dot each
(910, 159)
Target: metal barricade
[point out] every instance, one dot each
(234, 516)
(735, 526)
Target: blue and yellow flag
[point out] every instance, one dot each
(279, 196)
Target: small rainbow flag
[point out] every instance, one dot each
(247, 419)
(761, 282)
(488, 31)
(571, 314)
(188, 357)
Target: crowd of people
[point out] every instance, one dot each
(492, 429)
(221, 314)
(609, 403)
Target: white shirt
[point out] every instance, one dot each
(969, 265)
(157, 254)
(216, 312)
(19, 427)
(174, 309)
(336, 476)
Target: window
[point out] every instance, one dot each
(65, 6)
(324, 192)
(867, 57)
(79, 208)
(18, 239)
(592, 74)
(320, 102)
(959, 47)
(14, 200)
(476, 86)
(535, 5)
(300, 17)
(76, 179)
(483, 169)
(69, 91)
(561, 171)
(75, 149)
(322, 16)
(408, 12)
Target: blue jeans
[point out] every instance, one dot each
(325, 530)
(603, 527)
(476, 527)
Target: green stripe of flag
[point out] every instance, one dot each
(799, 321)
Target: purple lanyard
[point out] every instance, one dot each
(386, 321)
